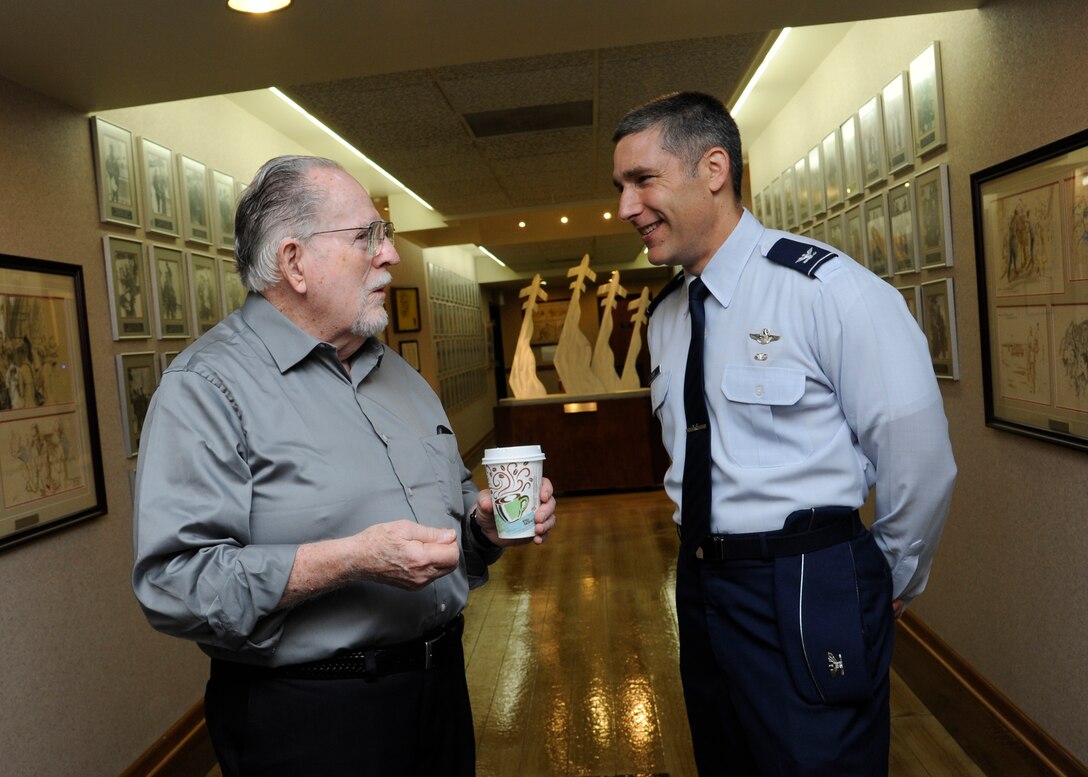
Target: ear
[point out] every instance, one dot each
(291, 261)
(718, 169)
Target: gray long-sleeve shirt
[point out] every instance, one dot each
(256, 442)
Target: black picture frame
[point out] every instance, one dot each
(52, 474)
(406, 316)
(1030, 218)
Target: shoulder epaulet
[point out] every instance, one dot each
(803, 257)
(674, 284)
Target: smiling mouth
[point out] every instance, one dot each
(648, 230)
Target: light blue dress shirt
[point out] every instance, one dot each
(257, 441)
(818, 388)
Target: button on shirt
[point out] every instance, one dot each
(837, 395)
(257, 441)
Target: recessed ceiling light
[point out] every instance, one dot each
(563, 220)
(257, 6)
(606, 215)
(521, 224)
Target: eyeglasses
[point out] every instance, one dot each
(376, 233)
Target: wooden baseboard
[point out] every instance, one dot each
(183, 751)
(993, 731)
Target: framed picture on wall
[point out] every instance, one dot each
(52, 475)
(195, 214)
(912, 295)
(835, 233)
(789, 199)
(800, 174)
(854, 236)
(170, 293)
(160, 188)
(115, 170)
(904, 241)
(406, 316)
(817, 191)
(234, 293)
(137, 379)
(205, 291)
(927, 100)
(167, 357)
(898, 138)
(871, 127)
(875, 216)
(1031, 228)
(833, 168)
(125, 274)
(939, 324)
(223, 209)
(851, 159)
(757, 207)
(934, 217)
(409, 349)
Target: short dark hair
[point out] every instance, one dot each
(691, 124)
(281, 202)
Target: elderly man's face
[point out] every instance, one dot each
(347, 285)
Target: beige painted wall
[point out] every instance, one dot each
(1009, 589)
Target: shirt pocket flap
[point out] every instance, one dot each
(659, 389)
(763, 385)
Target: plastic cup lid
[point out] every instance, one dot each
(513, 453)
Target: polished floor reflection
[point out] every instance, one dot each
(571, 654)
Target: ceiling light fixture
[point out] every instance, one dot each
(349, 147)
(521, 224)
(759, 71)
(500, 262)
(563, 220)
(257, 6)
(606, 215)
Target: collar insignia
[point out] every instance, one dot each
(764, 337)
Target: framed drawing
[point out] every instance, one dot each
(800, 174)
(875, 218)
(927, 100)
(167, 357)
(195, 215)
(230, 282)
(772, 204)
(904, 241)
(789, 199)
(934, 217)
(160, 188)
(223, 209)
(170, 293)
(779, 206)
(205, 291)
(831, 147)
(854, 235)
(1029, 220)
(871, 129)
(898, 138)
(115, 170)
(50, 461)
(852, 185)
(939, 325)
(912, 295)
(409, 349)
(406, 309)
(817, 192)
(137, 379)
(757, 207)
(819, 231)
(835, 233)
(125, 276)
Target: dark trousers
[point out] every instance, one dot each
(762, 702)
(411, 724)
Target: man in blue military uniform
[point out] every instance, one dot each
(788, 381)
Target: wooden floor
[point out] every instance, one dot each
(571, 654)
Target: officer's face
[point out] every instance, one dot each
(667, 201)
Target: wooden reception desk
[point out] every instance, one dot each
(599, 442)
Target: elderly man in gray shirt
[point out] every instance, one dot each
(302, 510)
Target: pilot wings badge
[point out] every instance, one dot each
(764, 337)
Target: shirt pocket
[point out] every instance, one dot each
(659, 392)
(444, 458)
(760, 425)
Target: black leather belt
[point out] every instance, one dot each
(806, 531)
(427, 652)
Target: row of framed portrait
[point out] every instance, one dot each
(933, 305)
(162, 291)
(903, 122)
(460, 337)
(145, 184)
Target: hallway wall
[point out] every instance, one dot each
(1009, 590)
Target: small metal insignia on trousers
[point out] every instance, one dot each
(699, 553)
(764, 336)
(761, 357)
(834, 664)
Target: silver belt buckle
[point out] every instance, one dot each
(428, 648)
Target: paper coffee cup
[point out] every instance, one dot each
(514, 476)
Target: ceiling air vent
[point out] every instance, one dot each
(535, 118)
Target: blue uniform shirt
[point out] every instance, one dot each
(818, 388)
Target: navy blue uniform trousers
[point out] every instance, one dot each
(785, 662)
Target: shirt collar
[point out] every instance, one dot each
(290, 345)
(722, 273)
